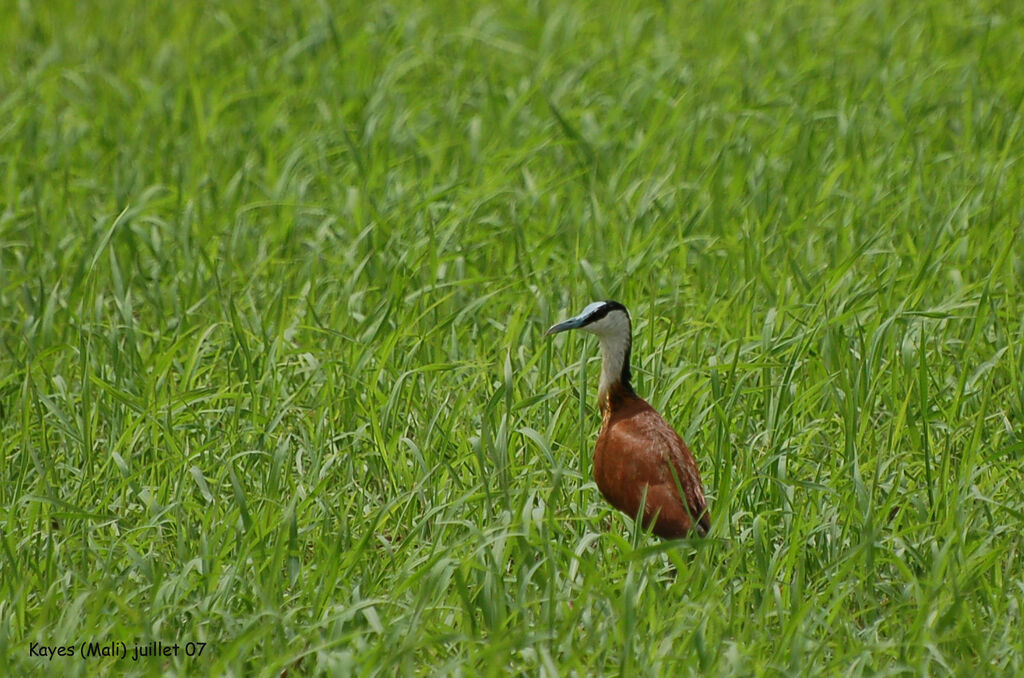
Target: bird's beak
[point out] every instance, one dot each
(570, 324)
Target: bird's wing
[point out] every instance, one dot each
(661, 460)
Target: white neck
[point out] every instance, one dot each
(614, 332)
(613, 355)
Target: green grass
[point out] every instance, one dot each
(273, 284)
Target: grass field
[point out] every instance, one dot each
(273, 285)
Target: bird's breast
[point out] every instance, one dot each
(630, 454)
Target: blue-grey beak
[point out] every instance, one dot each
(570, 324)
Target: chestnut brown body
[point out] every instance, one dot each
(639, 454)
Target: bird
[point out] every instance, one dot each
(639, 457)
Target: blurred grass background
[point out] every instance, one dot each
(273, 282)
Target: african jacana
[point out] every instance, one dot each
(638, 454)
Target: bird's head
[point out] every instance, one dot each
(606, 319)
(609, 320)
